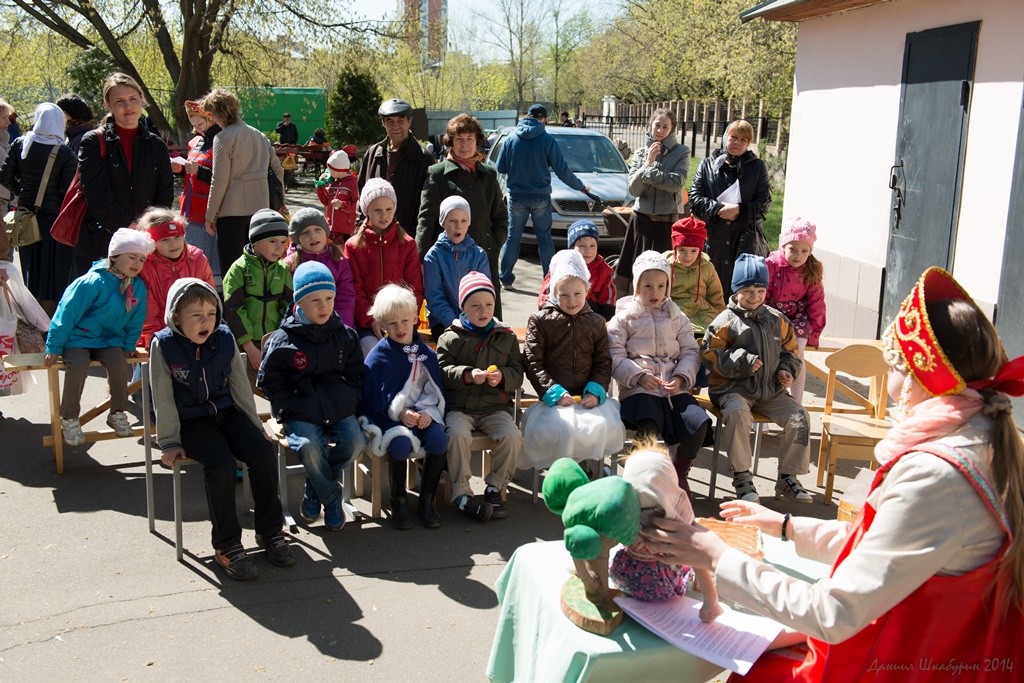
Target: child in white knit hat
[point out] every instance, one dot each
(100, 317)
(654, 361)
(338, 190)
(568, 363)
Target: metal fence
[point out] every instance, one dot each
(700, 135)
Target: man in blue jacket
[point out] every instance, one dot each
(525, 159)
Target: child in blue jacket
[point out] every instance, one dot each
(312, 373)
(100, 317)
(453, 256)
(404, 399)
(205, 411)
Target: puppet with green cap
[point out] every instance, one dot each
(597, 515)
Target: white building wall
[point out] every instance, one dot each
(843, 140)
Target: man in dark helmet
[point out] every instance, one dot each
(400, 160)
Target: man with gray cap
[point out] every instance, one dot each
(525, 160)
(400, 160)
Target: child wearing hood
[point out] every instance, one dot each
(205, 411)
(453, 256)
(100, 317)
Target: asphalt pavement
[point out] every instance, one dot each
(88, 594)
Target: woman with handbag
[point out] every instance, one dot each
(657, 174)
(239, 187)
(124, 169)
(731, 193)
(46, 263)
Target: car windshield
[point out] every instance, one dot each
(590, 154)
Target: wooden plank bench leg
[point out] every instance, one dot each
(53, 384)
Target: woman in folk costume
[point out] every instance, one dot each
(931, 574)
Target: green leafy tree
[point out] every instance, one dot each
(87, 73)
(352, 109)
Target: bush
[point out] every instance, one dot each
(351, 116)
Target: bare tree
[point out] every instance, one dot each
(203, 28)
(516, 33)
(569, 33)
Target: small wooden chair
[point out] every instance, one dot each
(759, 422)
(852, 436)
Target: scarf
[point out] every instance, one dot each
(127, 288)
(48, 128)
(929, 420)
(302, 316)
(481, 331)
(468, 164)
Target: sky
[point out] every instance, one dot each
(463, 9)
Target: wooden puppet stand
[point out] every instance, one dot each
(586, 598)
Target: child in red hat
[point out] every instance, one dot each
(696, 288)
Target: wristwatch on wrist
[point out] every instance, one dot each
(785, 523)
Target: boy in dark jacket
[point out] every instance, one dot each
(482, 369)
(312, 373)
(750, 353)
(205, 411)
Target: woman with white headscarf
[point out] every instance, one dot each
(47, 263)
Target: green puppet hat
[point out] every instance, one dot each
(591, 509)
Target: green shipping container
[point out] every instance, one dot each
(262, 108)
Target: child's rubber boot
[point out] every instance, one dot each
(401, 518)
(430, 516)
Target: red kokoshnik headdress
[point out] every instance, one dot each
(910, 343)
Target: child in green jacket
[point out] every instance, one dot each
(696, 288)
(258, 286)
(482, 369)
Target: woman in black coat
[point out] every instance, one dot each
(464, 173)
(726, 220)
(46, 263)
(133, 174)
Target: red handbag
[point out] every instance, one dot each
(72, 210)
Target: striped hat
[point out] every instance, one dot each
(471, 283)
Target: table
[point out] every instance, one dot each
(535, 642)
(23, 362)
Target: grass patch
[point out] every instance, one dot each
(772, 222)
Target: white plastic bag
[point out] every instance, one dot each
(11, 383)
(26, 307)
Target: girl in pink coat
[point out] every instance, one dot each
(794, 287)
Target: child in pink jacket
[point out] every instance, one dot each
(795, 288)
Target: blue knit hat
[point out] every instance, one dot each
(750, 269)
(583, 228)
(310, 277)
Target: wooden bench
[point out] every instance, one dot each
(25, 362)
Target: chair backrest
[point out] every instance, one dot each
(861, 361)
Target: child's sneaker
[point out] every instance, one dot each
(236, 563)
(743, 482)
(72, 430)
(493, 498)
(334, 515)
(474, 509)
(790, 487)
(119, 422)
(310, 508)
(277, 548)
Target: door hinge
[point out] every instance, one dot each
(965, 93)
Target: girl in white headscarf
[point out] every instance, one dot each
(47, 263)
